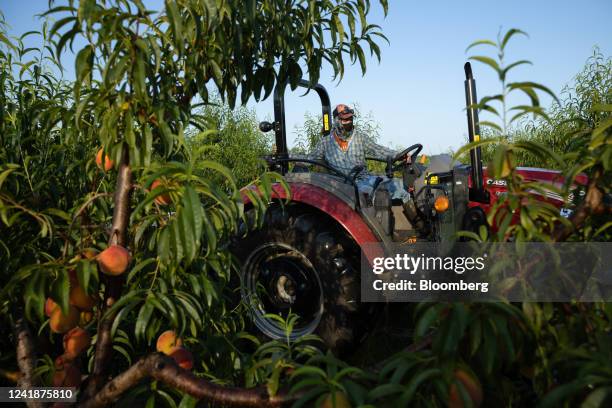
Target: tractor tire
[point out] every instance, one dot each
(303, 262)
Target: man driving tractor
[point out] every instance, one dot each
(347, 147)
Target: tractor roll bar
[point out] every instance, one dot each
(477, 191)
(280, 128)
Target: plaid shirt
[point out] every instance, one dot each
(359, 146)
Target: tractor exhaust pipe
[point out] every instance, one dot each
(477, 191)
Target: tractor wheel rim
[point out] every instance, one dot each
(277, 278)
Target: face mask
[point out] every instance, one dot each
(341, 131)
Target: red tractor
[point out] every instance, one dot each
(306, 257)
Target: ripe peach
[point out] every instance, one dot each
(342, 400)
(50, 306)
(76, 341)
(80, 299)
(61, 323)
(471, 385)
(182, 357)
(66, 373)
(114, 260)
(107, 164)
(167, 341)
(163, 199)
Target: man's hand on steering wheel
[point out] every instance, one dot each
(405, 156)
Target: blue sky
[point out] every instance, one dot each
(416, 92)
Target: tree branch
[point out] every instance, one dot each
(164, 369)
(26, 357)
(114, 285)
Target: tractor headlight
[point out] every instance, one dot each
(441, 204)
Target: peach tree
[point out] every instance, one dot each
(107, 227)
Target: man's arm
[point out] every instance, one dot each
(373, 149)
(316, 154)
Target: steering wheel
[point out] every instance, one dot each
(401, 155)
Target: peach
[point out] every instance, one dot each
(114, 260)
(471, 385)
(61, 323)
(76, 341)
(66, 373)
(80, 299)
(50, 306)
(342, 400)
(163, 199)
(167, 341)
(104, 163)
(182, 357)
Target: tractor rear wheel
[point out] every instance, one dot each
(302, 262)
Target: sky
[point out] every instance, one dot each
(416, 93)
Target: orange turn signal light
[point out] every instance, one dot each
(441, 203)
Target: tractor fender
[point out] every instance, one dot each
(341, 211)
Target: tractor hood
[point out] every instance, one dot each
(496, 187)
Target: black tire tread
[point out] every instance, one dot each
(335, 256)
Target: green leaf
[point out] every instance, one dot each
(597, 398)
(124, 353)
(470, 146)
(563, 393)
(86, 8)
(415, 383)
(510, 34)
(489, 346)
(514, 64)
(138, 267)
(525, 86)
(539, 149)
(174, 16)
(185, 224)
(362, 60)
(309, 370)
(61, 291)
(188, 401)
(5, 174)
(602, 127)
(176, 241)
(475, 335)
(385, 390)
(525, 110)
(426, 321)
(492, 125)
(481, 42)
(142, 321)
(488, 61)
(163, 245)
(140, 75)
